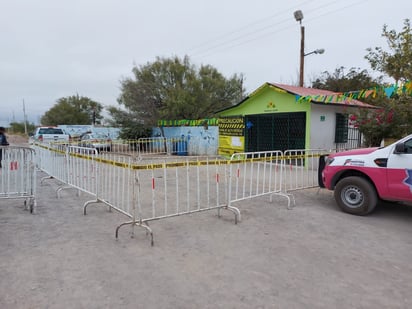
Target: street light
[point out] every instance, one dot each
(299, 16)
(317, 51)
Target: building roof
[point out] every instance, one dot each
(317, 96)
(320, 96)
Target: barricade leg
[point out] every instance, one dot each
(233, 209)
(30, 204)
(290, 197)
(63, 187)
(44, 178)
(91, 202)
(142, 224)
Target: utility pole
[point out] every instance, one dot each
(25, 118)
(299, 16)
(302, 54)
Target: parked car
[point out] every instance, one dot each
(50, 134)
(362, 177)
(98, 141)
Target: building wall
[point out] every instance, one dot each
(205, 140)
(268, 100)
(265, 100)
(323, 120)
(323, 124)
(77, 130)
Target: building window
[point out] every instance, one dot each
(341, 130)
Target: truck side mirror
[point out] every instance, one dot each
(400, 148)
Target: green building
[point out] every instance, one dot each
(281, 117)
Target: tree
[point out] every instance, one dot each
(73, 110)
(173, 88)
(398, 62)
(393, 117)
(339, 81)
(374, 124)
(131, 127)
(19, 127)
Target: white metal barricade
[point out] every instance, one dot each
(51, 159)
(254, 174)
(18, 175)
(301, 169)
(160, 189)
(147, 148)
(113, 180)
(154, 191)
(182, 146)
(81, 169)
(152, 146)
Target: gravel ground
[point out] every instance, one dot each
(312, 256)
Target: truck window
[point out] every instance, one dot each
(408, 146)
(50, 131)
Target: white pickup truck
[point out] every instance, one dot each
(50, 134)
(361, 177)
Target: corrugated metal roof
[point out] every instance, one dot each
(303, 92)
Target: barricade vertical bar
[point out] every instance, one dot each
(259, 164)
(153, 194)
(166, 190)
(177, 190)
(187, 187)
(217, 184)
(208, 182)
(198, 185)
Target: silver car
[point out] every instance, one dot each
(98, 141)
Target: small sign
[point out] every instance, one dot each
(322, 118)
(231, 126)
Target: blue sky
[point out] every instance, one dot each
(53, 49)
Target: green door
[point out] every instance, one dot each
(279, 131)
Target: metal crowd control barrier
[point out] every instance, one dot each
(301, 169)
(152, 146)
(18, 175)
(52, 159)
(160, 190)
(81, 169)
(145, 148)
(182, 146)
(254, 174)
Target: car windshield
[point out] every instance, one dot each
(98, 136)
(50, 131)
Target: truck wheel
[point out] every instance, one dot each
(355, 195)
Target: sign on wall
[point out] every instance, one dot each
(231, 135)
(231, 126)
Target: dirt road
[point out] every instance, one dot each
(313, 256)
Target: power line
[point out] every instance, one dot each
(246, 38)
(260, 21)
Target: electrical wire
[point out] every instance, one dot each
(247, 37)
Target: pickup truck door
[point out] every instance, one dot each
(399, 173)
